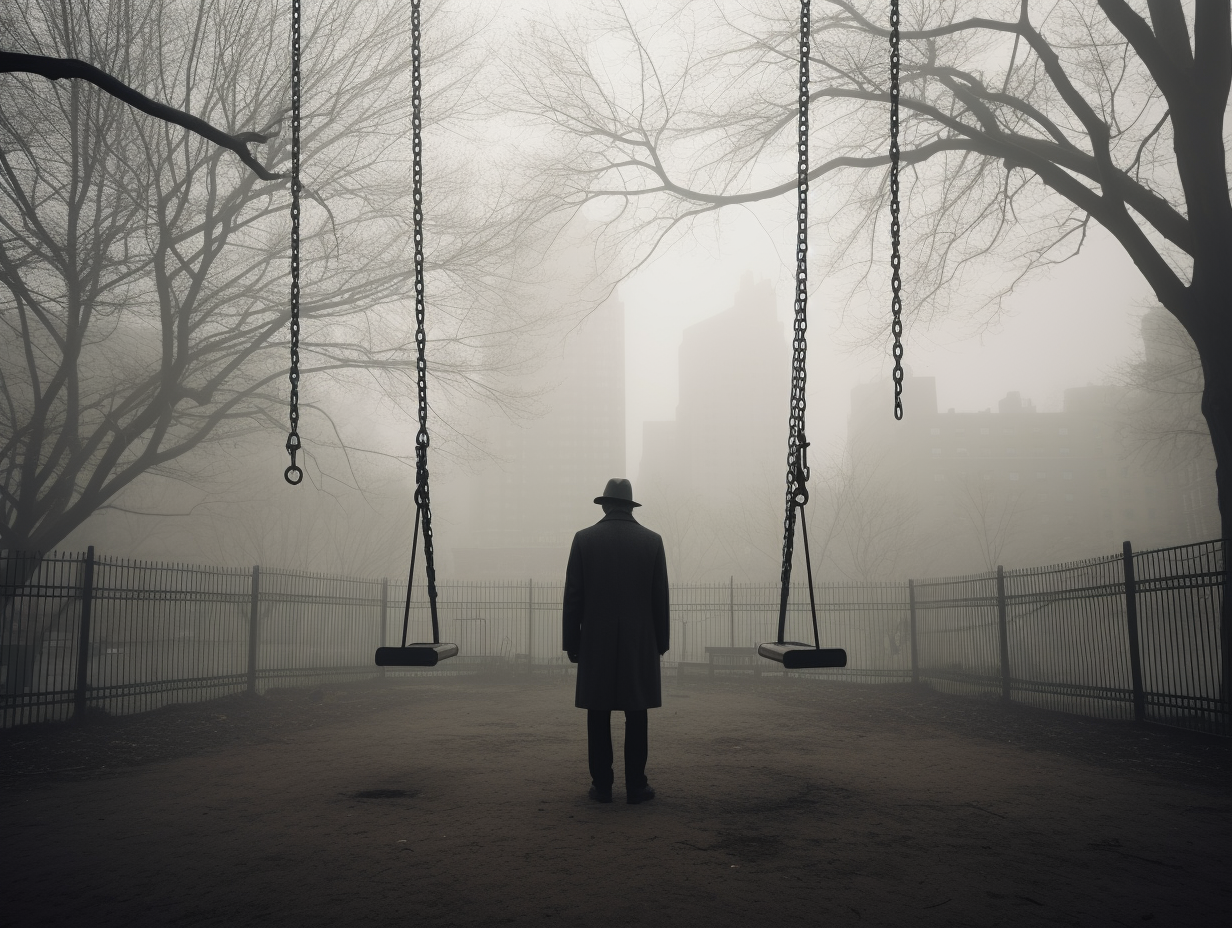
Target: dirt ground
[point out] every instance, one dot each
(779, 802)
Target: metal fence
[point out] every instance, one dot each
(1131, 636)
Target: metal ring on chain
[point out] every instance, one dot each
(294, 475)
(896, 283)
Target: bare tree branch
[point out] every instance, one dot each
(55, 69)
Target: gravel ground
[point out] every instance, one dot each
(461, 801)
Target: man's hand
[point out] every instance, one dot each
(573, 657)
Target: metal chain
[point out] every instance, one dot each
(294, 474)
(423, 502)
(896, 282)
(797, 460)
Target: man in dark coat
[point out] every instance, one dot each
(615, 630)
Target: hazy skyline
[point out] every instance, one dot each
(1068, 328)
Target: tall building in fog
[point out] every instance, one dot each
(711, 478)
(731, 417)
(525, 506)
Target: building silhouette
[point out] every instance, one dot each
(717, 466)
(1016, 485)
(731, 415)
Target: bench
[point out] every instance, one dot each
(734, 657)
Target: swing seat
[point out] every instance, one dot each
(795, 655)
(415, 655)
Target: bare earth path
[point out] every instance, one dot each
(799, 803)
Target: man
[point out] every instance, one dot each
(616, 629)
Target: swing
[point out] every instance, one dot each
(796, 655)
(417, 654)
(420, 654)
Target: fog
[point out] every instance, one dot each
(506, 406)
(559, 316)
(970, 666)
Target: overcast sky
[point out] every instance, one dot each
(1067, 328)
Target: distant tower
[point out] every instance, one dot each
(731, 418)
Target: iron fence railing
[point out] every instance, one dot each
(1135, 636)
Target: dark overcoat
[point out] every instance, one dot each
(616, 613)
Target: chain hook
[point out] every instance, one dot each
(800, 475)
(294, 475)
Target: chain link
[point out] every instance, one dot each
(797, 455)
(294, 474)
(423, 501)
(896, 283)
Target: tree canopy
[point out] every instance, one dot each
(143, 269)
(1022, 124)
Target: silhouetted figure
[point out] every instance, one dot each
(615, 629)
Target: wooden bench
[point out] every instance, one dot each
(735, 657)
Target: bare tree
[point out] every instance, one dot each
(145, 270)
(865, 523)
(1023, 123)
(991, 514)
(1164, 424)
(688, 524)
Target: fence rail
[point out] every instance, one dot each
(1133, 636)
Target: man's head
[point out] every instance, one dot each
(617, 496)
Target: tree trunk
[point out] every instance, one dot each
(20, 648)
(1213, 339)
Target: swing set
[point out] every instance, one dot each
(791, 654)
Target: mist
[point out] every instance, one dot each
(583, 338)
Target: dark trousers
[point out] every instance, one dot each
(599, 740)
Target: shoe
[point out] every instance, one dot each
(645, 794)
(600, 795)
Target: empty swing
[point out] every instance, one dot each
(796, 655)
(419, 654)
(416, 654)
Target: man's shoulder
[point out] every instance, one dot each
(650, 533)
(612, 527)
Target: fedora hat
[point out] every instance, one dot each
(618, 490)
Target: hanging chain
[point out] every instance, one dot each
(896, 282)
(423, 502)
(294, 474)
(797, 459)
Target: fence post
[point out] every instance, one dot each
(1131, 621)
(530, 625)
(731, 602)
(915, 650)
(1003, 634)
(384, 615)
(254, 614)
(1225, 634)
(83, 641)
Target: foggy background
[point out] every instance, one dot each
(575, 353)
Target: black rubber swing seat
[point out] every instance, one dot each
(415, 655)
(795, 655)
